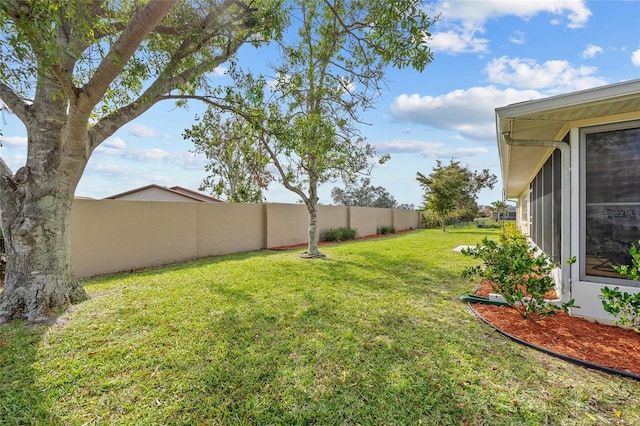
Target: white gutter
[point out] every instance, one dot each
(565, 250)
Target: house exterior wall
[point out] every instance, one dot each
(522, 212)
(573, 282)
(586, 290)
(598, 133)
(110, 236)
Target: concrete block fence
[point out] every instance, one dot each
(114, 235)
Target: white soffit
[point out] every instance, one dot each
(550, 119)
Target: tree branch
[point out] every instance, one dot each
(15, 103)
(251, 119)
(157, 92)
(281, 172)
(140, 25)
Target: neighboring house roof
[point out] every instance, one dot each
(162, 193)
(550, 119)
(196, 195)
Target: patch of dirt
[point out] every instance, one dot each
(601, 344)
(327, 243)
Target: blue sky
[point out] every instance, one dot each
(488, 54)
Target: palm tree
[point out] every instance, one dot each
(499, 207)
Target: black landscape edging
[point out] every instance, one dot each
(563, 357)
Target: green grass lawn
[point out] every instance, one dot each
(374, 334)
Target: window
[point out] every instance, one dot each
(546, 196)
(610, 196)
(523, 203)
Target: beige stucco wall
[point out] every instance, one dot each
(115, 235)
(367, 219)
(286, 224)
(405, 219)
(223, 228)
(333, 217)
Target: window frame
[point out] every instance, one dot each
(582, 207)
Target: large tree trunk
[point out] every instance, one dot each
(314, 234)
(39, 282)
(35, 219)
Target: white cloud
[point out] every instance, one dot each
(113, 146)
(517, 38)
(401, 146)
(462, 20)
(591, 51)
(142, 131)
(193, 162)
(220, 71)
(120, 178)
(457, 42)
(635, 58)
(14, 140)
(557, 76)
(115, 143)
(128, 174)
(469, 112)
(113, 170)
(478, 12)
(456, 152)
(15, 161)
(348, 85)
(153, 154)
(429, 149)
(274, 83)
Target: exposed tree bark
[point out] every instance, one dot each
(35, 219)
(312, 207)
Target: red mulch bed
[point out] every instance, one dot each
(600, 344)
(326, 243)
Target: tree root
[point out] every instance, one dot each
(307, 255)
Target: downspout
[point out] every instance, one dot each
(565, 250)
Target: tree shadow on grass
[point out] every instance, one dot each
(21, 399)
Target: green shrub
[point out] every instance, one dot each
(338, 234)
(518, 272)
(624, 306)
(510, 228)
(386, 229)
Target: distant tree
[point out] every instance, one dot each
(407, 206)
(331, 70)
(452, 187)
(500, 209)
(363, 195)
(467, 212)
(237, 166)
